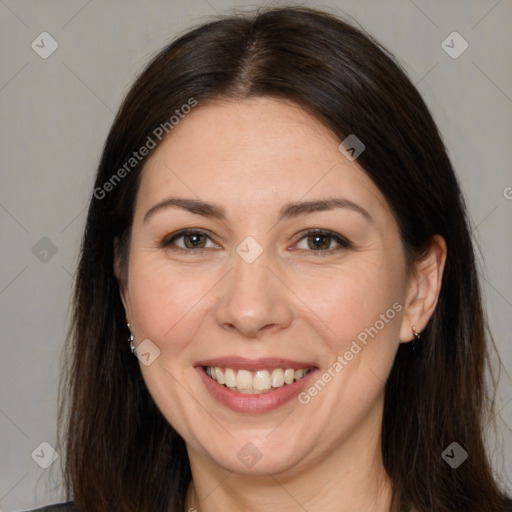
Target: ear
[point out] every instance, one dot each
(121, 278)
(423, 289)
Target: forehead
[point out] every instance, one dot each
(247, 152)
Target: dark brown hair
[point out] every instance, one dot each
(122, 454)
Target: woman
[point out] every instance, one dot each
(277, 304)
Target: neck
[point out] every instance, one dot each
(350, 478)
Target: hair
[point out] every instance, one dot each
(121, 453)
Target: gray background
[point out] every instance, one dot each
(55, 116)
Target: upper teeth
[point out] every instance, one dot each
(259, 381)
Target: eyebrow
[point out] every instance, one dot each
(288, 211)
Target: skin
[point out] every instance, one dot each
(251, 157)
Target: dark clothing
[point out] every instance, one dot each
(70, 507)
(58, 507)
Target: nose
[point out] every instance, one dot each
(254, 300)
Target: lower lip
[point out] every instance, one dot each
(240, 402)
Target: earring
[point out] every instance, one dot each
(415, 344)
(131, 340)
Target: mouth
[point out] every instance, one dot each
(254, 386)
(255, 382)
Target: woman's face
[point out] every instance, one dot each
(293, 262)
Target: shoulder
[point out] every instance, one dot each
(59, 507)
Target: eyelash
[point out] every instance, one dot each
(342, 241)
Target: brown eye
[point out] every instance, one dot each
(194, 240)
(189, 240)
(321, 241)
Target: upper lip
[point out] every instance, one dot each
(263, 363)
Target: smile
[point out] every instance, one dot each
(255, 382)
(254, 385)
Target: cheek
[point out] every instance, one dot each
(163, 301)
(360, 300)
(360, 312)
